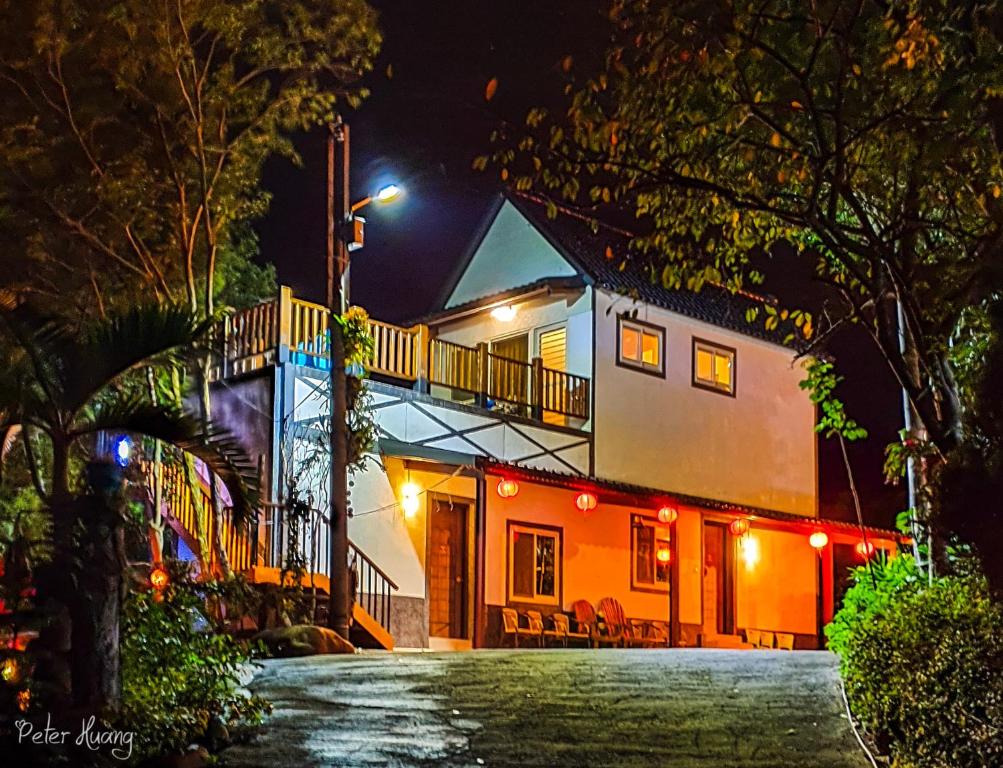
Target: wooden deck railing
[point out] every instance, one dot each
(239, 545)
(249, 340)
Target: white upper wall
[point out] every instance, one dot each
(757, 448)
(512, 253)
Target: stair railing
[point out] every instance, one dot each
(372, 586)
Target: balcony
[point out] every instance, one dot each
(293, 330)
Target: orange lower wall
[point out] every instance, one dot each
(779, 592)
(596, 548)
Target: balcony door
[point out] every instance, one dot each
(509, 372)
(553, 348)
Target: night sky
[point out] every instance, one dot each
(423, 125)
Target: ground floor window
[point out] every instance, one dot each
(651, 554)
(534, 560)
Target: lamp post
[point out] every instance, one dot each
(340, 216)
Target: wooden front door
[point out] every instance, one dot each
(718, 581)
(447, 570)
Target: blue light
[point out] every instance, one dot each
(122, 450)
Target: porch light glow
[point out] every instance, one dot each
(664, 554)
(586, 501)
(667, 515)
(388, 193)
(739, 526)
(10, 671)
(504, 313)
(865, 549)
(750, 551)
(507, 488)
(410, 500)
(818, 539)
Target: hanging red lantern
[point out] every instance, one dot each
(664, 554)
(159, 578)
(586, 501)
(865, 549)
(739, 526)
(819, 539)
(667, 515)
(507, 488)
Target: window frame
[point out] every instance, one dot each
(660, 531)
(716, 349)
(642, 326)
(552, 531)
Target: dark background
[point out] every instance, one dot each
(422, 126)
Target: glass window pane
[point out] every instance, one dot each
(546, 579)
(523, 563)
(705, 365)
(662, 569)
(650, 351)
(644, 554)
(630, 343)
(722, 370)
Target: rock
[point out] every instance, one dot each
(303, 640)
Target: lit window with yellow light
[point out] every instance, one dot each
(641, 345)
(713, 367)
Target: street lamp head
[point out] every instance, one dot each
(388, 193)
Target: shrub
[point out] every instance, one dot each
(178, 674)
(923, 665)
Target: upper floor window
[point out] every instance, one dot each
(641, 346)
(534, 558)
(713, 367)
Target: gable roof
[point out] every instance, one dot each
(598, 255)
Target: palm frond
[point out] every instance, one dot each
(222, 454)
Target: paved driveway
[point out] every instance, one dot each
(576, 708)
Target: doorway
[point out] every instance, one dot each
(447, 570)
(718, 581)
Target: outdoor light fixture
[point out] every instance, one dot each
(410, 500)
(739, 526)
(750, 551)
(664, 554)
(818, 540)
(122, 450)
(586, 501)
(667, 515)
(507, 488)
(504, 313)
(388, 193)
(10, 670)
(865, 549)
(159, 578)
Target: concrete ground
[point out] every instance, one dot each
(577, 708)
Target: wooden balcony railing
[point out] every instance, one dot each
(250, 338)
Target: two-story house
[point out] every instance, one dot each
(562, 429)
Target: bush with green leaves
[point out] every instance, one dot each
(923, 664)
(177, 673)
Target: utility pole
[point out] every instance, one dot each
(339, 597)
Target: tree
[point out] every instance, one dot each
(62, 385)
(866, 133)
(135, 133)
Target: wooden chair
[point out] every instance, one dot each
(785, 641)
(616, 621)
(511, 628)
(562, 625)
(752, 637)
(585, 616)
(536, 624)
(658, 633)
(765, 639)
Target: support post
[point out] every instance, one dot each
(536, 389)
(284, 321)
(339, 609)
(422, 371)
(483, 371)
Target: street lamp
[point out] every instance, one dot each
(344, 234)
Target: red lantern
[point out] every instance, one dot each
(507, 488)
(865, 549)
(159, 578)
(586, 501)
(739, 526)
(819, 539)
(664, 554)
(667, 515)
